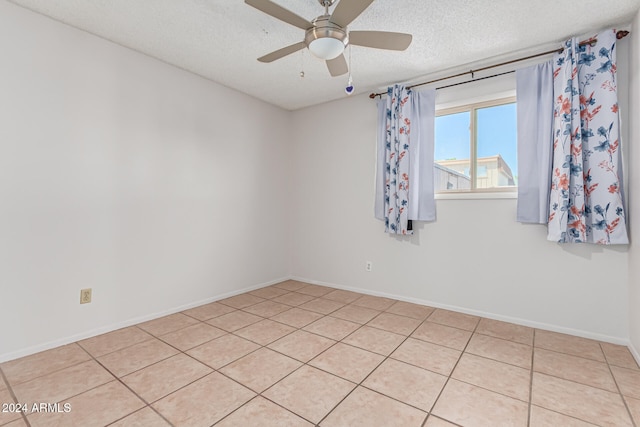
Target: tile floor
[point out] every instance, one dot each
(295, 354)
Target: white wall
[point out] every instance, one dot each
(634, 183)
(150, 185)
(475, 257)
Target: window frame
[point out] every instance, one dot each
(474, 192)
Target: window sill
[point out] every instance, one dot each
(477, 195)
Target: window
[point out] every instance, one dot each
(475, 148)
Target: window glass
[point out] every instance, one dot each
(475, 147)
(496, 146)
(452, 152)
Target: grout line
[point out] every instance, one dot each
(14, 397)
(462, 352)
(624, 401)
(533, 348)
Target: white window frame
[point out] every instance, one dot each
(474, 192)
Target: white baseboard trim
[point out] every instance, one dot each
(634, 351)
(134, 321)
(518, 321)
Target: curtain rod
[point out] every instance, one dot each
(619, 35)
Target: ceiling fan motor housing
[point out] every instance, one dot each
(325, 39)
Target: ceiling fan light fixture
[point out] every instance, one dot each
(326, 40)
(326, 48)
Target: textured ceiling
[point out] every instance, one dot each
(221, 39)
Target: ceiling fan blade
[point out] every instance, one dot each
(280, 13)
(281, 53)
(348, 10)
(338, 66)
(380, 39)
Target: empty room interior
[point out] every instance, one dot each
(200, 226)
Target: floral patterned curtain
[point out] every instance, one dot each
(398, 128)
(586, 200)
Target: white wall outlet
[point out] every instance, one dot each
(85, 296)
(368, 266)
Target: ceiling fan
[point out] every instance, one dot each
(326, 36)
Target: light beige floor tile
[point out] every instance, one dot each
(634, 408)
(267, 308)
(309, 392)
(30, 367)
(345, 361)
(568, 344)
(203, 402)
(208, 311)
(192, 336)
(19, 422)
(367, 408)
(495, 376)
(506, 331)
(406, 383)
(619, 355)
(11, 413)
(145, 417)
(408, 309)
(264, 332)
(233, 321)
(302, 345)
(293, 299)
(541, 417)
(3, 386)
(427, 355)
(223, 350)
(573, 368)
(356, 314)
(373, 302)
(472, 406)
(376, 340)
(269, 292)
(290, 285)
(261, 369)
(394, 323)
(97, 407)
(442, 335)
(322, 306)
(579, 401)
(117, 340)
(340, 295)
(267, 414)
(433, 421)
(63, 384)
(501, 350)
(165, 377)
(297, 317)
(454, 319)
(131, 359)
(241, 301)
(166, 324)
(628, 380)
(332, 327)
(314, 290)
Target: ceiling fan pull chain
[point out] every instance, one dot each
(349, 89)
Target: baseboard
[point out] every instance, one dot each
(134, 321)
(634, 351)
(518, 321)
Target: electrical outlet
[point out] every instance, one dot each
(368, 266)
(85, 296)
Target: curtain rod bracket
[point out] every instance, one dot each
(622, 34)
